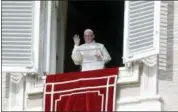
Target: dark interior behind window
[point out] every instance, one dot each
(105, 18)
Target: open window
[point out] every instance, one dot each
(130, 30)
(20, 36)
(105, 18)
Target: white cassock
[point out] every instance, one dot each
(84, 55)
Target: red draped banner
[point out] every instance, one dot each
(81, 91)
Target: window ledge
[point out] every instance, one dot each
(138, 99)
(34, 109)
(19, 69)
(35, 91)
(128, 75)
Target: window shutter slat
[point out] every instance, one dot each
(141, 31)
(18, 36)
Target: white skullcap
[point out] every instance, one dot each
(88, 30)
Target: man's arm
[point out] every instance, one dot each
(76, 56)
(105, 55)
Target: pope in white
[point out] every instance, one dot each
(90, 55)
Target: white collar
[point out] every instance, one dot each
(93, 42)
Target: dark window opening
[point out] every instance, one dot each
(105, 18)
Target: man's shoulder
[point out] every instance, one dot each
(82, 46)
(100, 44)
(96, 43)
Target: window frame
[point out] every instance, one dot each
(125, 76)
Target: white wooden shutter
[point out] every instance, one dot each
(141, 29)
(20, 36)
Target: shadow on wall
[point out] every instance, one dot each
(166, 46)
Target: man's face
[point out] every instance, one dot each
(88, 37)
